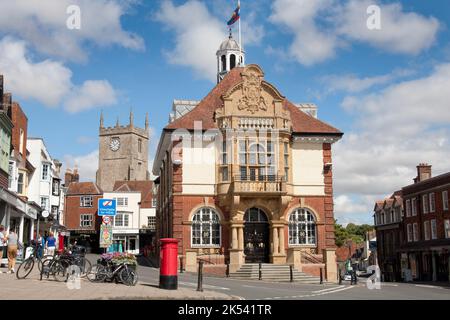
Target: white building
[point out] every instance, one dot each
(44, 185)
(135, 223)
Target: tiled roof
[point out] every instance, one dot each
(204, 111)
(144, 186)
(76, 188)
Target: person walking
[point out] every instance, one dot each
(349, 269)
(51, 244)
(2, 243)
(40, 245)
(12, 250)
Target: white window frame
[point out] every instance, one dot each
(123, 215)
(447, 229)
(151, 222)
(47, 177)
(122, 201)
(414, 207)
(426, 230)
(445, 200)
(47, 203)
(84, 201)
(409, 232)
(309, 225)
(415, 232)
(425, 204)
(200, 222)
(86, 217)
(433, 229)
(432, 199)
(408, 207)
(154, 202)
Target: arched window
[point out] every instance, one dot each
(205, 228)
(224, 63)
(302, 227)
(232, 61)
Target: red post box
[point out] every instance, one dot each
(168, 271)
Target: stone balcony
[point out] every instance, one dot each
(261, 185)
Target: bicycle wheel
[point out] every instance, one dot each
(25, 268)
(41, 260)
(59, 270)
(84, 265)
(97, 273)
(128, 277)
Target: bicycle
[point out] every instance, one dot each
(112, 272)
(70, 259)
(27, 265)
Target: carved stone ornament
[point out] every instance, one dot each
(252, 99)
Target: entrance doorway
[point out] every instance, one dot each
(256, 236)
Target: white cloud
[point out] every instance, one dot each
(353, 84)
(48, 81)
(401, 32)
(198, 35)
(93, 93)
(354, 209)
(310, 45)
(395, 129)
(320, 27)
(87, 165)
(44, 22)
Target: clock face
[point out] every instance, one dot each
(114, 144)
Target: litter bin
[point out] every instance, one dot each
(168, 271)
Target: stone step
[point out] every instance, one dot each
(272, 272)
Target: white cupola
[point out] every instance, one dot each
(229, 56)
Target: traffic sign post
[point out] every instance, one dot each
(107, 207)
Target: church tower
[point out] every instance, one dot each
(123, 153)
(229, 56)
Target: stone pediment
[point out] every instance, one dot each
(253, 99)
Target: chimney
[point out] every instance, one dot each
(67, 177)
(423, 172)
(75, 175)
(7, 102)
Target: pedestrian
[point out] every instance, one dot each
(40, 245)
(51, 244)
(2, 243)
(349, 269)
(13, 242)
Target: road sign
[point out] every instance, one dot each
(106, 220)
(105, 236)
(107, 207)
(45, 214)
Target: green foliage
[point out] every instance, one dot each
(352, 232)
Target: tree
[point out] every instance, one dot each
(352, 232)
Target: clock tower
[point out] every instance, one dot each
(123, 153)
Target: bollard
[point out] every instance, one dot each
(321, 276)
(291, 273)
(228, 270)
(260, 272)
(340, 277)
(181, 264)
(200, 276)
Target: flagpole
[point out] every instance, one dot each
(240, 38)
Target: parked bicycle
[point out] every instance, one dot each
(27, 265)
(55, 267)
(108, 271)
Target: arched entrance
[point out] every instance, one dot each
(256, 236)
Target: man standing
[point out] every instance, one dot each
(12, 250)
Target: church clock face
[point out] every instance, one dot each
(114, 145)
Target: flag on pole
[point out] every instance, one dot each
(235, 17)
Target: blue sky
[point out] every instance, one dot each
(386, 89)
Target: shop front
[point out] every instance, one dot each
(125, 242)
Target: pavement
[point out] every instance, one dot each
(32, 288)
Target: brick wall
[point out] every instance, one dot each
(73, 211)
(3, 179)
(20, 121)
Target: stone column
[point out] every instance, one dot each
(21, 228)
(275, 241)
(329, 257)
(32, 230)
(234, 239)
(241, 238)
(281, 235)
